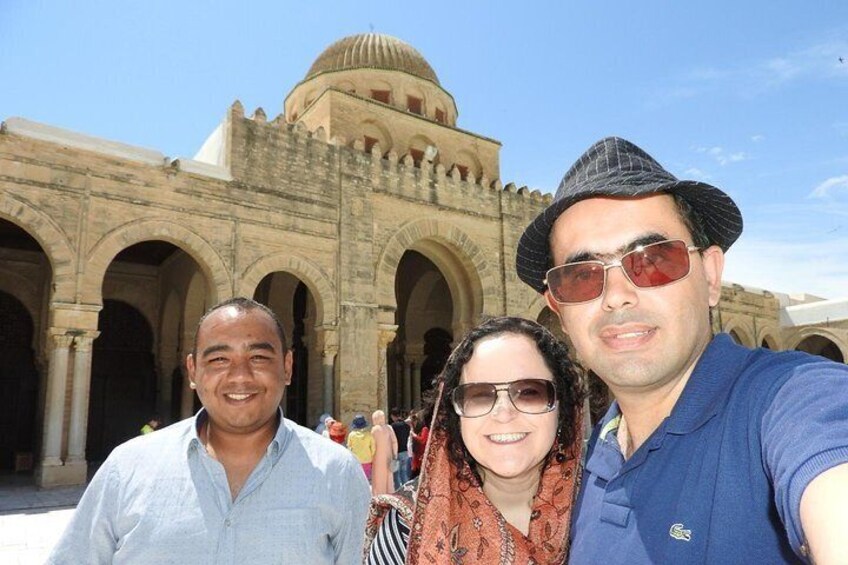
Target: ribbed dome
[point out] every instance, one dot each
(374, 51)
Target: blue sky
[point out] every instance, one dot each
(749, 96)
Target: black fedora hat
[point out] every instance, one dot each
(616, 167)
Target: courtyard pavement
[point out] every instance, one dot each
(32, 519)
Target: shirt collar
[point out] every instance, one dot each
(702, 397)
(275, 448)
(708, 386)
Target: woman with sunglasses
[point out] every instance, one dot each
(500, 471)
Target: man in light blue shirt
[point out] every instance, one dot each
(236, 483)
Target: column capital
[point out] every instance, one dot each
(417, 360)
(329, 353)
(61, 339)
(414, 351)
(326, 338)
(388, 332)
(84, 340)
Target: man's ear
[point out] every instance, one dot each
(190, 367)
(554, 306)
(288, 362)
(713, 260)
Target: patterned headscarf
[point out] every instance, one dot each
(455, 523)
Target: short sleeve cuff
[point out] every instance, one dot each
(813, 467)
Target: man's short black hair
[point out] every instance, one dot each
(693, 222)
(241, 304)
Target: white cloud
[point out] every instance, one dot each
(757, 138)
(721, 156)
(696, 173)
(733, 158)
(782, 69)
(819, 268)
(830, 186)
(749, 78)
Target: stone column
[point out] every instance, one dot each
(407, 383)
(328, 369)
(327, 342)
(387, 335)
(415, 357)
(54, 409)
(79, 401)
(167, 363)
(416, 382)
(187, 402)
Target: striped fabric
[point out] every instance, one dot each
(616, 167)
(389, 546)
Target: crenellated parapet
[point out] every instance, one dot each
(269, 155)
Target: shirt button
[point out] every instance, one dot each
(227, 522)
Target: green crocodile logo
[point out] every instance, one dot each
(678, 532)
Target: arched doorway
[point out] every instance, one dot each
(148, 290)
(820, 345)
(292, 302)
(18, 384)
(437, 349)
(424, 316)
(25, 290)
(123, 379)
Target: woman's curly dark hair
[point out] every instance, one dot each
(570, 385)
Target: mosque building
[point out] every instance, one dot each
(377, 229)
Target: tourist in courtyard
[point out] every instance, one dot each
(401, 431)
(385, 452)
(322, 424)
(151, 426)
(238, 481)
(499, 476)
(711, 452)
(338, 432)
(361, 443)
(419, 433)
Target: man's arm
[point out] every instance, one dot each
(354, 494)
(824, 515)
(804, 442)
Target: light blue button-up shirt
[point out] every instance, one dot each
(160, 498)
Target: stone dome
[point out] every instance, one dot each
(372, 51)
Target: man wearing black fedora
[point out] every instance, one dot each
(711, 452)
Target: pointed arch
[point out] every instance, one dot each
(52, 240)
(319, 285)
(740, 327)
(837, 338)
(218, 281)
(471, 279)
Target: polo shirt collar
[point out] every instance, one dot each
(708, 385)
(275, 448)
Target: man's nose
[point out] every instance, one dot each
(240, 367)
(619, 292)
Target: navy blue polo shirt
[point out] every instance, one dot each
(720, 480)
